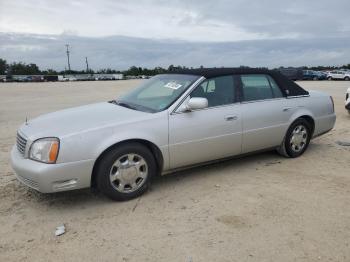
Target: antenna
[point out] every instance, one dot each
(67, 46)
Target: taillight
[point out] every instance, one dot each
(332, 103)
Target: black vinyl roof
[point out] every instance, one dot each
(215, 72)
(289, 87)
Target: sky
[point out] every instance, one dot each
(119, 34)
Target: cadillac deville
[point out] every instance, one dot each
(171, 122)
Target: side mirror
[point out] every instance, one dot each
(197, 103)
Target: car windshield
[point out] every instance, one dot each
(157, 93)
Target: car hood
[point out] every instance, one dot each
(78, 119)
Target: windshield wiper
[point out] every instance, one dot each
(133, 106)
(123, 104)
(113, 102)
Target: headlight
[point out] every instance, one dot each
(45, 150)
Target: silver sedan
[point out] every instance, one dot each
(172, 121)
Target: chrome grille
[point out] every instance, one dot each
(21, 144)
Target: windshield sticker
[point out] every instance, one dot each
(173, 85)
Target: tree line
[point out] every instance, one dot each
(20, 68)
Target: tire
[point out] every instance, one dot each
(315, 78)
(346, 78)
(329, 78)
(296, 146)
(282, 149)
(126, 171)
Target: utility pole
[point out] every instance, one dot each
(67, 46)
(87, 65)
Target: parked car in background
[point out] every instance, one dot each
(103, 78)
(347, 100)
(72, 78)
(338, 75)
(21, 78)
(62, 78)
(51, 78)
(292, 73)
(37, 78)
(171, 122)
(313, 75)
(9, 78)
(28, 79)
(86, 78)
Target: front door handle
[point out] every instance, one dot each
(230, 118)
(287, 109)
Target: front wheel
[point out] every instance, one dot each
(346, 78)
(297, 139)
(329, 78)
(125, 172)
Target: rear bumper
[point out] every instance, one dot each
(49, 178)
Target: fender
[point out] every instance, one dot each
(151, 131)
(110, 141)
(301, 111)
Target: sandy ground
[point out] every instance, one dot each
(257, 208)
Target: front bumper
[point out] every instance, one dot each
(49, 178)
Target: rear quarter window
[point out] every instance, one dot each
(259, 87)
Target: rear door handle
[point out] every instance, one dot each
(287, 109)
(230, 118)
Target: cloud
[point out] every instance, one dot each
(194, 20)
(120, 52)
(119, 34)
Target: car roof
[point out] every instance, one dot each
(289, 88)
(215, 72)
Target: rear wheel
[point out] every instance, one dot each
(329, 78)
(297, 139)
(346, 78)
(125, 172)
